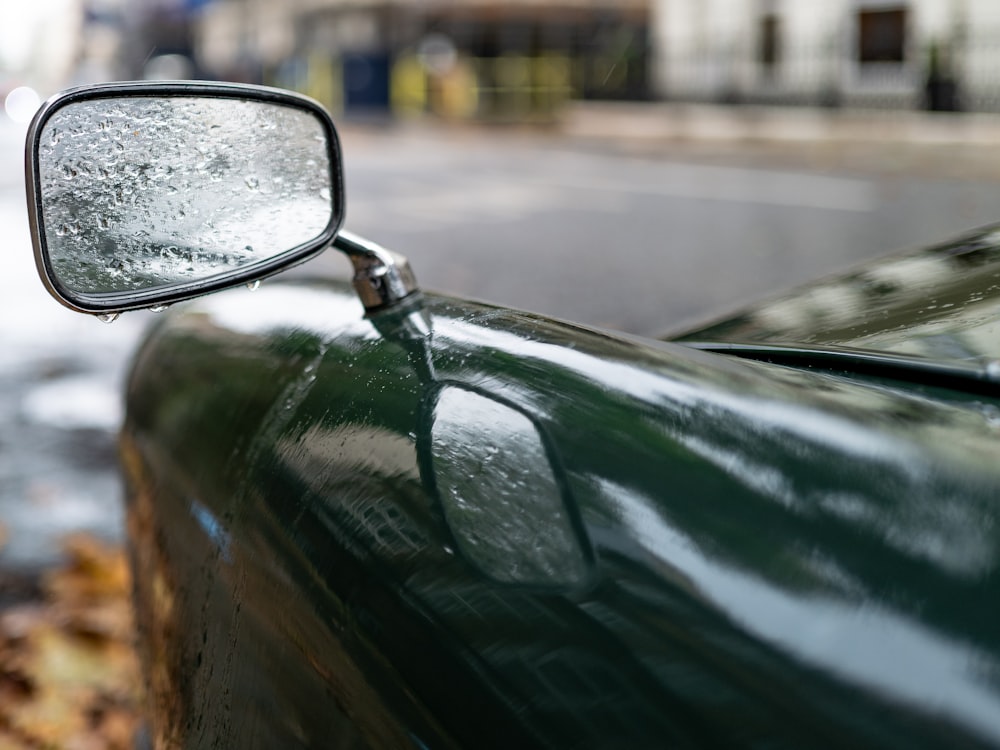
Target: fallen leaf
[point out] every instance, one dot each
(69, 676)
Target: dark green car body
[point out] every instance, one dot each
(454, 525)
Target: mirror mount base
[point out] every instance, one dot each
(381, 277)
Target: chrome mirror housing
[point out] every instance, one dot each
(144, 194)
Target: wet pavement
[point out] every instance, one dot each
(60, 380)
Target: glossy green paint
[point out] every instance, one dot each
(342, 529)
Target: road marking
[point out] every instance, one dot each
(738, 185)
(504, 196)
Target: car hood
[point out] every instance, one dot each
(941, 303)
(771, 554)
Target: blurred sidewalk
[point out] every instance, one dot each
(61, 374)
(666, 121)
(951, 145)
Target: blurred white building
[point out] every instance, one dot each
(856, 52)
(39, 43)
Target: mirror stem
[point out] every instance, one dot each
(381, 277)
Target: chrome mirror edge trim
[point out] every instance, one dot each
(381, 277)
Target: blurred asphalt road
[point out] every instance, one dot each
(650, 230)
(671, 221)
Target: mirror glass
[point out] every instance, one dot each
(144, 192)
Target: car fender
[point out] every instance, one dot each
(342, 528)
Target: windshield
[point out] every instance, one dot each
(942, 303)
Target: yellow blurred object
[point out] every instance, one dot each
(552, 80)
(459, 92)
(324, 82)
(408, 84)
(513, 77)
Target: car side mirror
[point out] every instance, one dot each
(144, 194)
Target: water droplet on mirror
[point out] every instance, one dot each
(109, 317)
(254, 285)
(252, 182)
(158, 308)
(324, 193)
